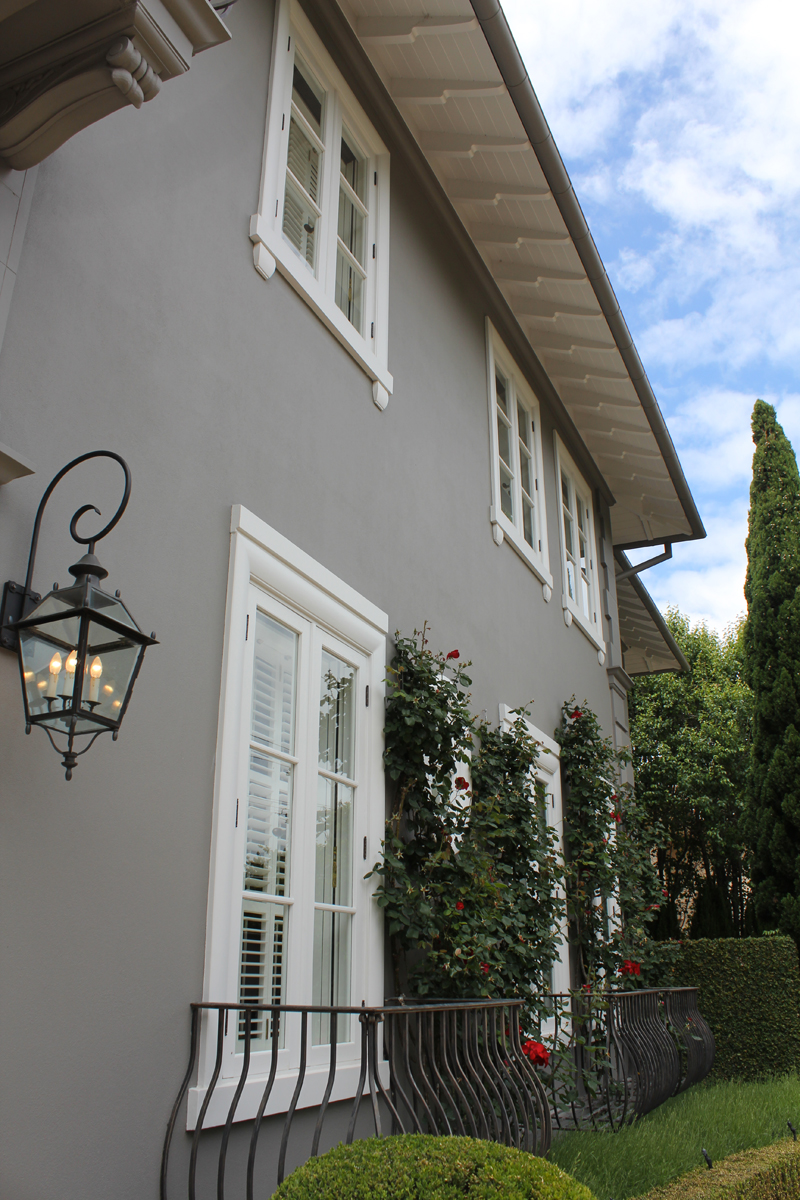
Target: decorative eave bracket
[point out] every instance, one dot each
(65, 66)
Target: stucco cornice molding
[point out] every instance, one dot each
(63, 67)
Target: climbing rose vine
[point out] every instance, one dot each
(611, 884)
(468, 879)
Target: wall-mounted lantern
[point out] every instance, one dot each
(79, 648)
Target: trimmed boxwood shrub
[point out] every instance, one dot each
(750, 996)
(770, 1173)
(417, 1167)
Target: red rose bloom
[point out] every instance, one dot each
(453, 654)
(459, 905)
(574, 716)
(485, 968)
(462, 784)
(536, 1052)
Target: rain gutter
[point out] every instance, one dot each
(501, 42)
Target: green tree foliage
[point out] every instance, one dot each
(611, 886)
(690, 735)
(468, 877)
(772, 662)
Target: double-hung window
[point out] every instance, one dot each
(580, 596)
(323, 216)
(299, 810)
(517, 512)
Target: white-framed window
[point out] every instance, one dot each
(298, 818)
(517, 511)
(580, 596)
(323, 217)
(548, 775)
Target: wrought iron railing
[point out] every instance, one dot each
(616, 1056)
(440, 1068)
(445, 1068)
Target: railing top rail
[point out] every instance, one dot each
(419, 1006)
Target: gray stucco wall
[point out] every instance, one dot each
(139, 325)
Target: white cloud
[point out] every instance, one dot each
(707, 587)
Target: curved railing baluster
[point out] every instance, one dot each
(193, 1045)
(301, 1075)
(275, 1024)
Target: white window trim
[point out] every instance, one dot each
(548, 771)
(271, 249)
(260, 555)
(572, 611)
(503, 529)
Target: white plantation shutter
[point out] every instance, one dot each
(262, 969)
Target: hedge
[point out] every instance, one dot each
(418, 1167)
(750, 996)
(770, 1173)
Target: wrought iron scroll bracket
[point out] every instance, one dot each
(19, 600)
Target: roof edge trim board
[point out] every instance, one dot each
(501, 42)
(351, 58)
(650, 604)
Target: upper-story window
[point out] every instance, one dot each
(580, 595)
(323, 218)
(518, 506)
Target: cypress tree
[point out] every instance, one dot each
(772, 668)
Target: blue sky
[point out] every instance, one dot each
(679, 122)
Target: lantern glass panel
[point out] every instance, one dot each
(111, 661)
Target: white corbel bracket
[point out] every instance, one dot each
(132, 73)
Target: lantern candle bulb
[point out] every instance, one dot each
(69, 667)
(55, 669)
(95, 671)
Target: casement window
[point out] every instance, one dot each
(299, 812)
(580, 597)
(517, 512)
(323, 216)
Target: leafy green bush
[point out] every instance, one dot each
(750, 996)
(770, 1173)
(417, 1167)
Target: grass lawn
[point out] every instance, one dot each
(720, 1117)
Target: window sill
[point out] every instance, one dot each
(344, 1088)
(510, 534)
(270, 250)
(572, 614)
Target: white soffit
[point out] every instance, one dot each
(436, 64)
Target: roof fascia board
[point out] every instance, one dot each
(501, 42)
(350, 57)
(654, 613)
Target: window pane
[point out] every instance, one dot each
(526, 474)
(274, 684)
(308, 96)
(565, 491)
(262, 967)
(268, 835)
(352, 226)
(503, 440)
(300, 222)
(353, 166)
(336, 715)
(334, 861)
(331, 983)
(501, 387)
(523, 425)
(506, 497)
(569, 536)
(527, 521)
(349, 290)
(571, 589)
(303, 159)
